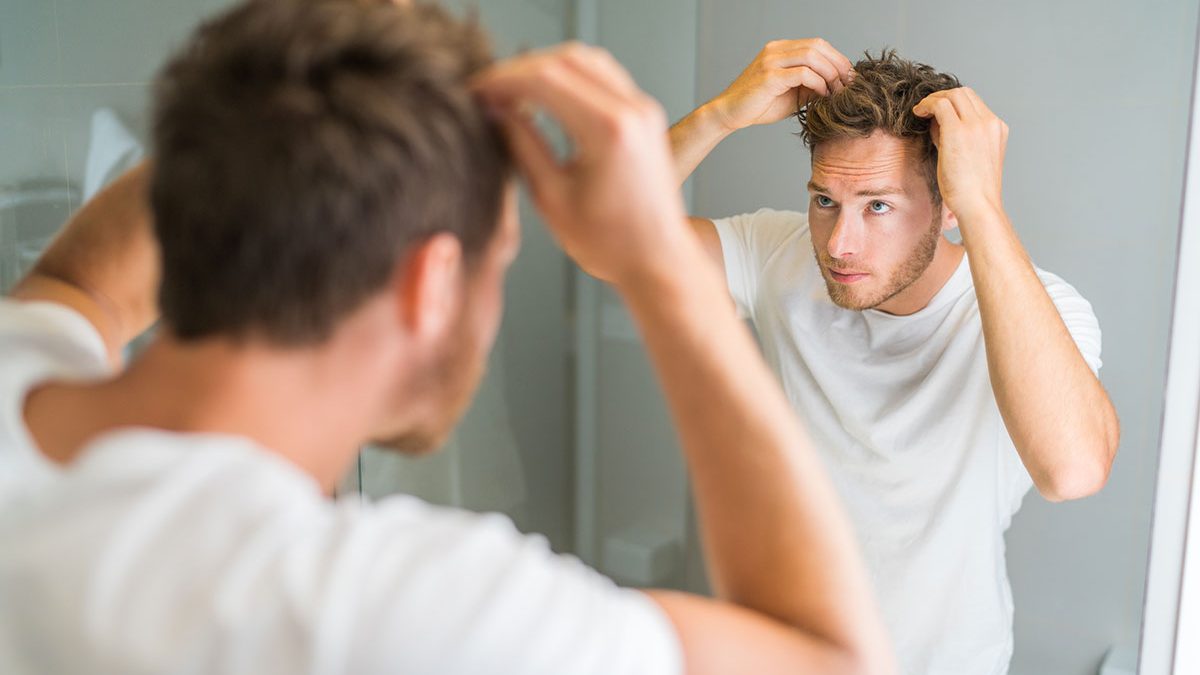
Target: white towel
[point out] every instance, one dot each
(111, 151)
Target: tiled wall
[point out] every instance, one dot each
(60, 62)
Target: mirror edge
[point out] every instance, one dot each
(1165, 611)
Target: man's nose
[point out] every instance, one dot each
(847, 237)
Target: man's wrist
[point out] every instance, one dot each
(708, 121)
(678, 269)
(979, 213)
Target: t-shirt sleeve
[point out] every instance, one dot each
(40, 341)
(1077, 314)
(747, 243)
(1081, 323)
(436, 590)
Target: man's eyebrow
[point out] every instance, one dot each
(876, 192)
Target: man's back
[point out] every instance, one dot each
(166, 552)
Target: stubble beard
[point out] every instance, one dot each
(844, 296)
(452, 379)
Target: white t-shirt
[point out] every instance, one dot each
(902, 411)
(160, 552)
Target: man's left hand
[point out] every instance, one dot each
(970, 139)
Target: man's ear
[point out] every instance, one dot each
(430, 286)
(949, 220)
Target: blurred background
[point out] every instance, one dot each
(569, 434)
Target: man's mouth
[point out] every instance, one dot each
(848, 276)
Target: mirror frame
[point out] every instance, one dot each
(1172, 605)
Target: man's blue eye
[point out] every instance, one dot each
(879, 207)
(824, 202)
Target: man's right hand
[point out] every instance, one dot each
(785, 75)
(614, 205)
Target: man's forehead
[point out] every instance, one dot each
(878, 159)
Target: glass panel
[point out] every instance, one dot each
(512, 450)
(74, 90)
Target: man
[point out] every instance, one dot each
(941, 380)
(334, 218)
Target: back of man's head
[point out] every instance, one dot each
(881, 97)
(300, 147)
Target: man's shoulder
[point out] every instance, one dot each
(1052, 281)
(39, 341)
(783, 219)
(760, 234)
(52, 332)
(1066, 296)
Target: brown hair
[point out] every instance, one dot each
(881, 97)
(301, 146)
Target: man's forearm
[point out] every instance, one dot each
(693, 138)
(104, 263)
(1056, 411)
(775, 536)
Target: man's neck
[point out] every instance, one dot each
(917, 295)
(300, 404)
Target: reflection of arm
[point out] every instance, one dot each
(104, 264)
(784, 76)
(776, 541)
(1055, 409)
(1057, 413)
(693, 138)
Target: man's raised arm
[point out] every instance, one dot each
(784, 76)
(104, 264)
(793, 594)
(1059, 417)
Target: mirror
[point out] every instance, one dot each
(1091, 203)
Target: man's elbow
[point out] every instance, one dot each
(1088, 472)
(1080, 479)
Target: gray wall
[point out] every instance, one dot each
(1096, 97)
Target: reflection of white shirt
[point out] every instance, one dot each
(902, 410)
(159, 552)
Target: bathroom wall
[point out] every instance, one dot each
(61, 61)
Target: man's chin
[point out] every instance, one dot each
(839, 295)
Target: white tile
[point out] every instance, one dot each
(28, 43)
(30, 145)
(127, 41)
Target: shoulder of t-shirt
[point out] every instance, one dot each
(1060, 290)
(774, 219)
(1078, 315)
(53, 330)
(39, 341)
(486, 575)
(765, 231)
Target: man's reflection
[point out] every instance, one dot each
(941, 380)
